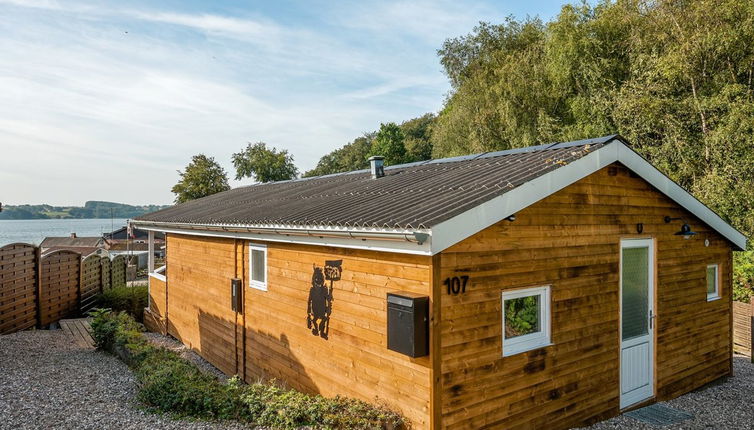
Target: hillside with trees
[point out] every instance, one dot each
(91, 209)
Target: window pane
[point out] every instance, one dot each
(711, 280)
(635, 292)
(522, 316)
(257, 265)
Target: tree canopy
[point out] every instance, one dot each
(404, 143)
(674, 78)
(389, 143)
(202, 177)
(264, 164)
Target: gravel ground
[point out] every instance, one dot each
(47, 382)
(724, 404)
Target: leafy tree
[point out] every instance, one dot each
(673, 77)
(202, 177)
(418, 140)
(264, 164)
(389, 143)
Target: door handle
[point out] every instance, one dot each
(652, 316)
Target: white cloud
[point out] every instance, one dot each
(107, 103)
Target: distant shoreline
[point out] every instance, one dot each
(90, 210)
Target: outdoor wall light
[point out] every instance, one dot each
(686, 231)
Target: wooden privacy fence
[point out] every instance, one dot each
(118, 278)
(91, 281)
(38, 290)
(742, 333)
(18, 287)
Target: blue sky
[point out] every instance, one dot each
(106, 101)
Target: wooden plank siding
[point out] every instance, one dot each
(60, 275)
(742, 340)
(198, 308)
(41, 290)
(571, 241)
(271, 336)
(91, 281)
(18, 287)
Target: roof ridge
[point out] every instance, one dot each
(468, 157)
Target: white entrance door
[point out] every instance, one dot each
(637, 321)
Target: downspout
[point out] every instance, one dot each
(235, 312)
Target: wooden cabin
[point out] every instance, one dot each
(544, 287)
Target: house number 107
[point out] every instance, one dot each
(456, 284)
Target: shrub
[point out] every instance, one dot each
(125, 299)
(170, 384)
(743, 276)
(109, 328)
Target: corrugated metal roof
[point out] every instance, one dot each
(413, 196)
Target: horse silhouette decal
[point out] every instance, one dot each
(319, 305)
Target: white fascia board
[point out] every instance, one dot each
(629, 158)
(402, 247)
(464, 225)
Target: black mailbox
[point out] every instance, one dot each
(236, 294)
(408, 323)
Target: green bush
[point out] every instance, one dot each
(111, 328)
(743, 276)
(170, 384)
(125, 299)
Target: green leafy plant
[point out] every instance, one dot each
(743, 276)
(521, 316)
(109, 328)
(202, 177)
(170, 384)
(132, 300)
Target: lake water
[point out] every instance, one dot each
(35, 230)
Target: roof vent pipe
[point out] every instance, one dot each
(376, 163)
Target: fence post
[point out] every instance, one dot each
(38, 283)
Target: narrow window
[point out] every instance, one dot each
(258, 266)
(526, 320)
(713, 284)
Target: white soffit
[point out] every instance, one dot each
(495, 210)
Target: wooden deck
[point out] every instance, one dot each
(78, 330)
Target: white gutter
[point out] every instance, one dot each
(389, 240)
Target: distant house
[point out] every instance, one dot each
(544, 287)
(83, 245)
(137, 236)
(118, 242)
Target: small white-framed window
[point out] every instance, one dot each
(713, 282)
(526, 319)
(258, 266)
